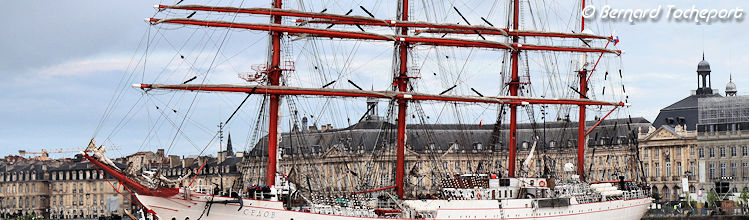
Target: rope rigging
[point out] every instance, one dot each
(454, 71)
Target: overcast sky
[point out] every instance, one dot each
(62, 61)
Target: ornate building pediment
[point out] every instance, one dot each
(663, 133)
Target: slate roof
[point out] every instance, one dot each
(80, 165)
(442, 136)
(682, 112)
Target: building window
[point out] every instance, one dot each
(744, 151)
(722, 151)
(678, 152)
(691, 151)
(712, 171)
(702, 152)
(692, 168)
(733, 151)
(655, 153)
(678, 168)
(722, 169)
(645, 153)
(734, 169)
(668, 169)
(444, 165)
(647, 169)
(712, 152)
(657, 169)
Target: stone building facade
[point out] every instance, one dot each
(669, 150)
(58, 189)
(669, 155)
(723, 134)
(217, 173)
(703, 138)
(78, 190)
(23, 190)
(353, 159)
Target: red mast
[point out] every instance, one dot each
(402, 83)
(514, 84)
(274, 76)
(581, 137)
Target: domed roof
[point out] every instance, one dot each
(703, 66)
(730, 87)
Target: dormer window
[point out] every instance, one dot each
(477, 146)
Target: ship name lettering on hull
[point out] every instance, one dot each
(259, 213)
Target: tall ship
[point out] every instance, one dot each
(508, 191)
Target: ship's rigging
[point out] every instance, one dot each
(406, 41)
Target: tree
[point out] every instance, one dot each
(657, 197)
(691, 203)
(712, 199)
(28, 217)
(744, 196)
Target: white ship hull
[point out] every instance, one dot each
(177, 207)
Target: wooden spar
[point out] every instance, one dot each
(514, 84)
(410, 24)
(197, 173)
(286, 90)
(402, 82)
(274, 76)
(270, 11)
(599, 59)
(413, 40)
(520, 33)
(129, 183)
(600, 120)
(329, 18)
